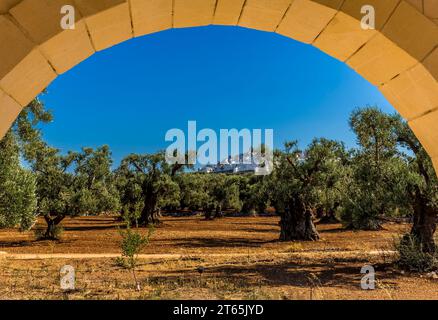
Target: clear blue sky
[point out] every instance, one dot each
(223, 77)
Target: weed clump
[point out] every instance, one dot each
(411, 256)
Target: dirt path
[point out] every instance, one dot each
(79, 256)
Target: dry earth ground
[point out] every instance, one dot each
(241, 256)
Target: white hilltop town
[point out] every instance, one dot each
(243, 163)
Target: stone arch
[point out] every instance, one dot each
(400, 56)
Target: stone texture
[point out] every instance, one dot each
(435, 164)
(24, 72)
(431, 63)
(412, 93)
(228, 12)
(431, 8)
(9, 110)
(380, 60)
(63, 48)
(40, 18)
(383, 9)
(31, 76)
(404, 64)
(412, 31)
(343, 37)
(5, 5)
(263, 15)
(305, 20)
(417, 4)
(151, 16)
(109, 22)
(68, 48)
(425, 128)
(192, 13)
(334, 4)
(18, 45)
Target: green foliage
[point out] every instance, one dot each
(74, 184)
(389, 173)
(96, 192)
(17, 187)
(193, 191)
(55, 233)
(296, 182)
(309, 175)
(420, 180)
(253, 194)
(18, 199)
(375, 171)
(146, 185)
(411, 256)
(132, 244)
(223, 193)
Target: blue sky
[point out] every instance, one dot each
(223, 77)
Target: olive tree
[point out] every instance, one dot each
(18, 198)
(97, 192)
(146, 186)
(373, 188)
(253, 194)
(73, 184)
(17, 187)
(292, 185)
(223, 194)
(420, 184)
(193, 193)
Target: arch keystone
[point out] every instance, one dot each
(228, 12)
(151, 16)
(193, 13)
(263, 15)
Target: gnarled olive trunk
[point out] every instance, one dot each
(424, 226)
(150, 214)
(296, 222)
(329, 216)
(219, 213)
(52, 224)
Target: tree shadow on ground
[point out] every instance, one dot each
(302, 274)
(225, 243)
(276, 231)
(99, 220)
(91, 228)
(335, 230)
(15, 244)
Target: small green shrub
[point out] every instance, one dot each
(121, 262)
(41, 234)
(132, 243)
(412, 258)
